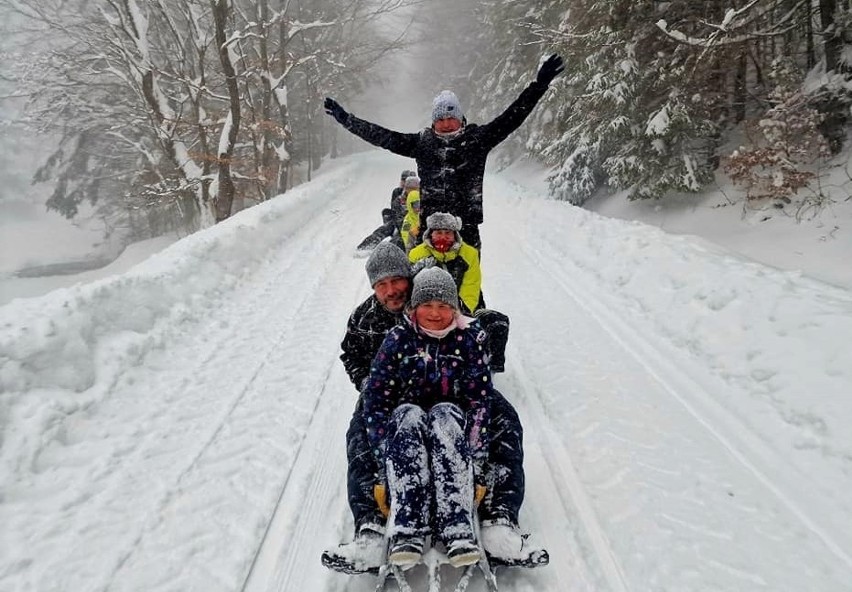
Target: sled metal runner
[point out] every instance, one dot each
(433, 560)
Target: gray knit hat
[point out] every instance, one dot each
(446, 104)
(442, 221)
(412, 182)
(434, 283)
(387, 260)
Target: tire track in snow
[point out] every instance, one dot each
(660, 493)
(227, 358)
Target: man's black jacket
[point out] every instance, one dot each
(451, 167)
(368, 324)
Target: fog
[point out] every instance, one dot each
(396, 92)
(399, 95)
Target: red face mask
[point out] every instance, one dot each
(447, 125)
(442, 244)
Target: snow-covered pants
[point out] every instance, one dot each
(504, 475)
(362, 471)
(430, 472)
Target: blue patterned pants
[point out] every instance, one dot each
(430, 473)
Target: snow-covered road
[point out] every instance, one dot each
(181, 427)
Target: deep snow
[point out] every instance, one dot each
(180, 426)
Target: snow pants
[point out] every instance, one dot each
(505, 481)
(362, 471)
(430, 473)
(504, 471)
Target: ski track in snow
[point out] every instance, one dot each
(221, 390)
(652, 475)
(292, 322)
(589, 324)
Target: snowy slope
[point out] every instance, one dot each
(181, 426)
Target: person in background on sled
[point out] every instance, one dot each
(389, 274)
(397, 204)
(391, 217)
(443, 246)
(427, 409)
(410, 231)
(451, 154)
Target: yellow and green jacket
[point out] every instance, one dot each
(462, 262)
(411, 223)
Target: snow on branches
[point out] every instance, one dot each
(783, 146)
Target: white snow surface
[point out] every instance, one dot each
(180, 426)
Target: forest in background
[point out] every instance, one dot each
(174, 114)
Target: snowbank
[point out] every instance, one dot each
(62, 350)
(779, 341)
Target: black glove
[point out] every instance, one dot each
(334, 109)
(549, 70)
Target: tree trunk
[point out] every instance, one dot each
(832, 43)
(810, 49)
(741, 85)
(267, 157)
(225, 195)
(285, 148)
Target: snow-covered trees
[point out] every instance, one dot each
(187, 106)
(652, 89)
(156, 113)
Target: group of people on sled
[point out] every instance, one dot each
(401, 221)
(432, 445)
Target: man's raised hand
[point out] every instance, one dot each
(550, 69)
(334, 109)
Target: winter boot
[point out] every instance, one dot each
(506, 545)
(461, 552)
(365, 554)
(405, 550)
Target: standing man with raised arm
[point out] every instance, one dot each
(451, 154)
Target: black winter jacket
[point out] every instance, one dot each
(397, 206)
(451, 167)
(368, 324)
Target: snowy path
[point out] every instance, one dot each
(207, 452)
(641, 484)
(658, 480)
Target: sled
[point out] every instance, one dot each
(433, 560)
(369, 243)
(386, 230)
